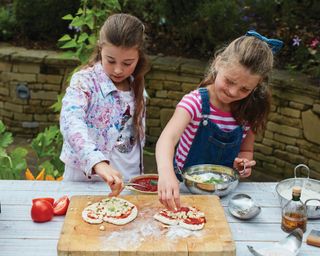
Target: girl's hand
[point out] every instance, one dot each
(243, 165)
(111, 176)
(169, 191)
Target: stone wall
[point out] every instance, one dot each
(291, 136)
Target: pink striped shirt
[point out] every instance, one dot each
(192, 104)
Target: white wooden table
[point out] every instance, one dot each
(19, 235)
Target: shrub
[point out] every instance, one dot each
(11, 164)
(7, 22)
(41, 19)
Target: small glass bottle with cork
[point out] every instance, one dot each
(294, 213)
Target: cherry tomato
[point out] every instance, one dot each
(41, 211)
(60, 206)
(48, 199)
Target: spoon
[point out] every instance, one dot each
(289, 246)
(130, 184)
(243, 207)
(243, 171)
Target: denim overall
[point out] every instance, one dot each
(211, 145)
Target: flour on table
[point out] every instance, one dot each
(132, 235)
(276, 252)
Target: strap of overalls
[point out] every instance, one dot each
(205, 104)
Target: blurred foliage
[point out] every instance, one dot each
(198, 28)
(41, 19)
(181, 27)
(47, 146)
(86, 23)
(11, 164)
(7, 23)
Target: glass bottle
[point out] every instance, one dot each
(294, 213)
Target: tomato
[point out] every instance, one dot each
(48, 199)
(41, 211)
(60, 206)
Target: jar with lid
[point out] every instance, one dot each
(294, 213)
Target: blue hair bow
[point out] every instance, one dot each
(274, 44)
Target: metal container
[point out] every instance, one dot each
(310, 195)
(222, 179)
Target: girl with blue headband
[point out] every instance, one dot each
(217, 123)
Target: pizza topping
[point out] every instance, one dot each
(107, 209)
(92, 215)
(187, 217)
(195, 221)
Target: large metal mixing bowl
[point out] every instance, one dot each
(310, 195)
(222, 179)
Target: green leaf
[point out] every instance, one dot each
(65, 38)
(3, 153)
(5, 159)
(2, 127)
(5, 139)
(18, 153)
(71, 44)
(57, 106)
(48, 167)
(83, 37)
(69, 54)
(89, 21)
(77, 22)
(80, 11)
(92, 39)
(67, 17)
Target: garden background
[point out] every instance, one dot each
(176, 30)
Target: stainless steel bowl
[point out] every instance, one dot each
(222, 179)
(310, 192)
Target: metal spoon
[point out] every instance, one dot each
(243, 171)
(130, 184)
(243, 207)
(288, 246)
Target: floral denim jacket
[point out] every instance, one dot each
(90, 119)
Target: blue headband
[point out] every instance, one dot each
(274, 44)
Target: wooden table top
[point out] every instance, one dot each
(19, 235)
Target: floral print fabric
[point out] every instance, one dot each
(90, 119)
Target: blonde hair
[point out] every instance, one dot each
(255, 55)
(127, 31)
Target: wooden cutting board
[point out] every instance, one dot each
(145, 236)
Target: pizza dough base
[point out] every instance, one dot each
(112, 220)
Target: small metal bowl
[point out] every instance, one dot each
(243, 207)
(198, 179)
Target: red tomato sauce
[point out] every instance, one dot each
(147, 183)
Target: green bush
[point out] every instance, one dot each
(7, 23)
(12, 164)
(41, 19)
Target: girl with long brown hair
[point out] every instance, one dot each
(103, 110)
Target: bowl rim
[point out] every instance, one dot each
(234, 174)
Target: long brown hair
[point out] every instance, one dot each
(127, 31)
(255, 55)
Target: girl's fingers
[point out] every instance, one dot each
(115, 183)
(176, 197)
(170, 201)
